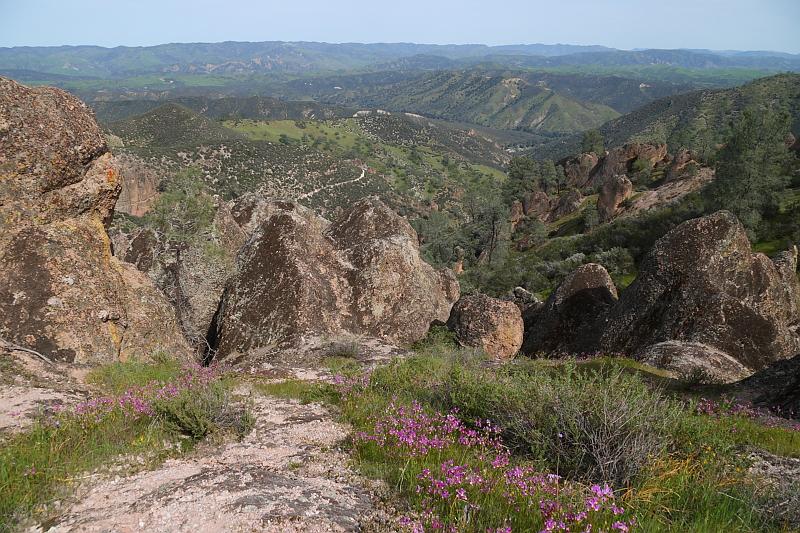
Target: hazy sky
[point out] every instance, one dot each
(716, 24)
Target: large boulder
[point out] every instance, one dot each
(775, 387)
(572, 318)
(695, 362)
(702, 283)
(54, 162)
(300, 277)
(62, 293)
(614, 191)
(493, 325)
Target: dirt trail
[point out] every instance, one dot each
(334, 185)
(287, 475)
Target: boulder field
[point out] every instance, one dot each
(282, 276)
(702, 298)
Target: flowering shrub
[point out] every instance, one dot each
(588, 422)
(141, 401)
(465, 480)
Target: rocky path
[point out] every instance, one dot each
(287, 475)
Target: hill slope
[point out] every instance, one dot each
(227, 108)
(497, 101)
(698, 120)
(171, 124)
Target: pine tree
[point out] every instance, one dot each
(751, 167)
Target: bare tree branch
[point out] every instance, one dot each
(16, 347)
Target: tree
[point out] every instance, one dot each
(752, 166)
(523, 175)
(549, 178)
(593, 142)
(184, 209)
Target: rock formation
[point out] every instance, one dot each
(61, 291)
(571, 320)
(517, 213)
(678, 166)
(139, 185)
(568, 203)
(702, 283)
(578, 169)
(613, 192)
(301, 277)
(620, 160)
(493, 325)
(776, 387)
(537, 205)
(589, 169)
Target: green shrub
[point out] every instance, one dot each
(199, 412)
(594, 425)
(117, 377)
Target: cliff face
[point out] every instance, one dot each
(62, 292)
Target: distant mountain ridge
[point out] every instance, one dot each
(304, 57)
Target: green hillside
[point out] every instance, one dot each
(170, 124)
(226, 108)
(698, 120)
(480, 97)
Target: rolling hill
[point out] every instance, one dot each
(539, 102)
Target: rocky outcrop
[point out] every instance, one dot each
(614, 191)
(578, 169)
(492, 325)
(517, 213)
(620, 160)
(568, 203)
(54, 162)
(572, 318)
(680, 165)
(537, 205)
(300, 277)
(62, 293)
(591, 170)
(669, 192)
(702, 283)
(140, 184)
(694, 361)
(192, 275)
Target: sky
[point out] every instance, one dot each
(626, 24)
